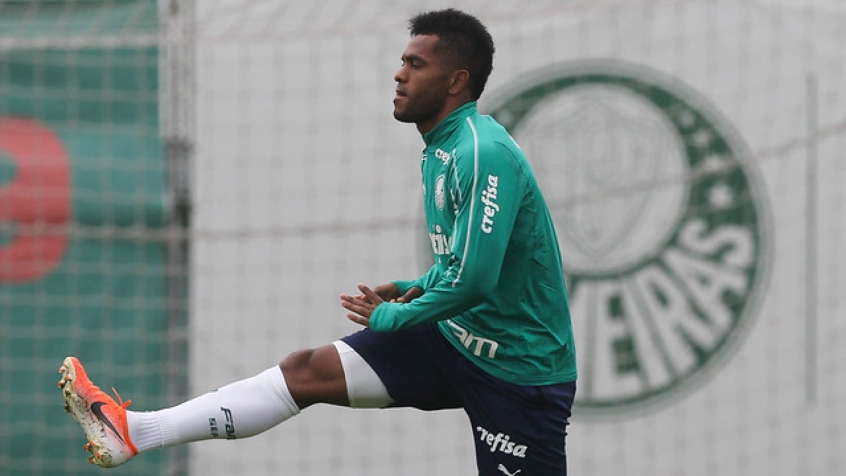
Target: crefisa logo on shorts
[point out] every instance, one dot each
(664, 229)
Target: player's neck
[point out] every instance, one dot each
(450, 106)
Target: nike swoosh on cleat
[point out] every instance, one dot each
(95, 409)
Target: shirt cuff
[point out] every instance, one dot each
(382, 319)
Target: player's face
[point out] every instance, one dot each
(422, 84)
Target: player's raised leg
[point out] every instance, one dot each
(329, 374)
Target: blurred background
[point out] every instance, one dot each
(187, 186)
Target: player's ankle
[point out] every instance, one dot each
(145, 430)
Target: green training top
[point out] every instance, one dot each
(496, 288)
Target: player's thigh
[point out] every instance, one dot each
(410, 364)
(519, 429)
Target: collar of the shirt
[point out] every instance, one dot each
(449, 124)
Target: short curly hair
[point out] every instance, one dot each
(463, 39)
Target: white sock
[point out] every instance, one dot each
(238, 410)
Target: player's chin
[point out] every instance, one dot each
(401, 114)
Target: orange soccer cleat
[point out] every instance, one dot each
(102, 419)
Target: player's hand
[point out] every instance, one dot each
(413, 293)
(390, 293)
(361, 306)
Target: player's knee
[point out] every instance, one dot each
(311, 366)
(315, 376)
(296, 365)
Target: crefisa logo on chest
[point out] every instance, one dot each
(663, 225)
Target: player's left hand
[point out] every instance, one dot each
(362, 305)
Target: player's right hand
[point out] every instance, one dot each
(390, 293)
(413, 293)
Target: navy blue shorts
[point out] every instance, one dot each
(515, 428)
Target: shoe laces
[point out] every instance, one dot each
(122, 404)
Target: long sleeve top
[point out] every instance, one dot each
(496, 287)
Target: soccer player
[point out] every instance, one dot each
(486, 329)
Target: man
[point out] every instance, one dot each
(486, 329)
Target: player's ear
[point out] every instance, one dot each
(458, 81)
